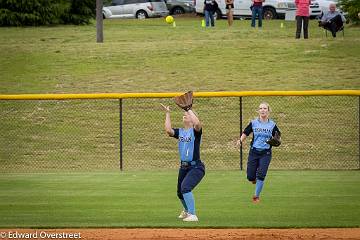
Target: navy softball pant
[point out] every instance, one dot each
(189, 177)
(258, 164)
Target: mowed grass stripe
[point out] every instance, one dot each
(148, 199)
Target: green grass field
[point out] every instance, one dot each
(148, 199)
(151, 56)
(55, 156)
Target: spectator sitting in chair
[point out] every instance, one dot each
(332, 20)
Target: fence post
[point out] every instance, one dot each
(241, 150)
(120, 132)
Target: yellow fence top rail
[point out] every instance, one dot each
(66, 96)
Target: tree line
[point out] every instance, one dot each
(46, 12)
(352, 8)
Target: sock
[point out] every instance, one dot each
(184, 204)
(190, 202)
(259, 186)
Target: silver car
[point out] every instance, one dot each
(135, 8)
(180, 6)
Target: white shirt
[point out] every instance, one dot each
(330, 15)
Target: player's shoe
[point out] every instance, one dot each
(183, 215)
(255, 199)
(191, 218)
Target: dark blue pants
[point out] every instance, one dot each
(256, 11)
(209, 18)
(189, 177)
(258, 164)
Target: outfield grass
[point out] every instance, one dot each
(148, 199)
(151, 56)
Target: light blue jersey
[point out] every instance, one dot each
(188, 143)
(262, 132)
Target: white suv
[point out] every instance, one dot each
(271, 8)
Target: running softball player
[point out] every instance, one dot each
(191, 170)
(263, 130)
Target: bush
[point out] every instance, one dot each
(27, 12)
(46, 12)
(80, 12)
(352, 8)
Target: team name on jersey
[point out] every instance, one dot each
(264, 130)
(185, 139)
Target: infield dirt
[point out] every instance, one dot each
(202, 234)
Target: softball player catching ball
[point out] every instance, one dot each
(263, 130)
(191, 170)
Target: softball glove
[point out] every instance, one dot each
(185, 101)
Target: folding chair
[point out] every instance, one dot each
(339, 25)
(342, 29)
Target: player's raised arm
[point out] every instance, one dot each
(168, 127)
(195, 120)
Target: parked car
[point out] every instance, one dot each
(180, 6)
(324, 4)
(272, 9)
(135, 8)
(315, 10)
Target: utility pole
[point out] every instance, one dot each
(99, 21)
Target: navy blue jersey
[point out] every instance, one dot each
(189, 143)
(210, 5)
(262, 132)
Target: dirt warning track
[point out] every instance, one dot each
(184, 234)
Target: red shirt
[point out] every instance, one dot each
(257, 3)
(303, 7)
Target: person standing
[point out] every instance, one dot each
(230, 11)
(263, 130)
(210, 7)
(257, 10)
(302, 17)
(192, 169)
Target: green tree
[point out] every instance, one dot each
(46, 12)
(352, 8)
(28, 12)
(80, 12)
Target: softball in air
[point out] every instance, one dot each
(169, 19)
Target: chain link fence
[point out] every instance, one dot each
(318, 132)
